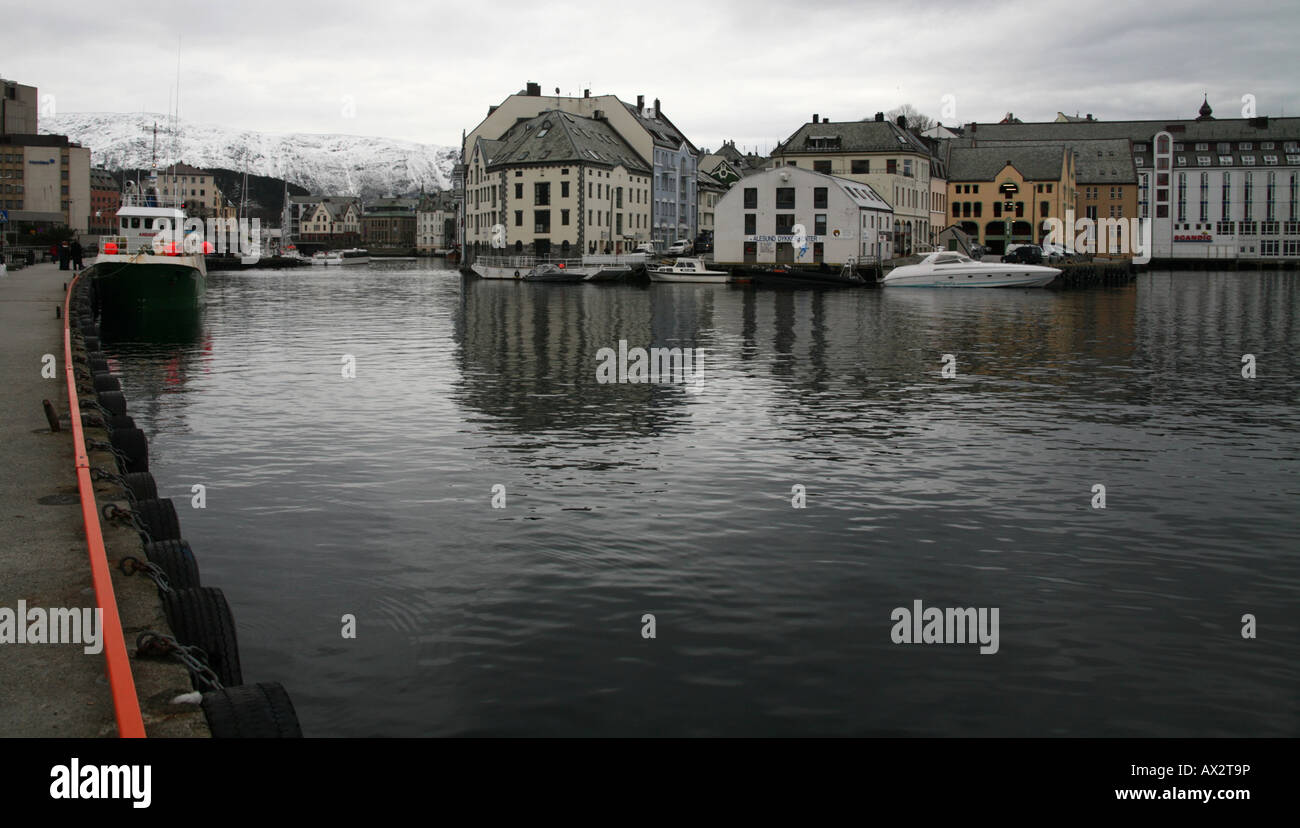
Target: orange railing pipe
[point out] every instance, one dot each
(126, 705)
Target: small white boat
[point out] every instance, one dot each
(948, 269)
(335, 258)
(687, 270)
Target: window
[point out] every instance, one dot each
(956, 209)
(1246, 145)
(891, 166)
(784, 224)
(1137, 162)
(564, 218)
(1202, 160)
(542, 193)
(564, 188)
(907, 167)
(1042, 209)
(819, 198)
(751, 198)
(1182, 161)
(751, 222)
(819, 224)
(978, 208)
(1270, 160)
(1205, 197)
(1226, 195)
(822, 167)
(860, 166)
(785, 198)
(519, 218)
(519, 191)
(1223, 147)
(1248, 160)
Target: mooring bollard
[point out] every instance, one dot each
(51, 415)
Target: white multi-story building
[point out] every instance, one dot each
(843, 220)
(880, 153)
(1213, 189)
(653, 138)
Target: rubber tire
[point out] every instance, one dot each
(132, 443)
(106, 382)
(159, 517)
(98, 365)
(140, 485)
(113, 402)
(251, 711)
(91, 343)
(201, 618)
(176, 559)
(89, 329)
(120, 421)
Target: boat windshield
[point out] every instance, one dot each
(951, 258)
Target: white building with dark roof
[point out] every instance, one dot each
(843, 221)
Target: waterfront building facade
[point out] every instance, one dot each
(1212, 188)
(435, 223)
(389, 222)
(45, 180)
(654, 139)
(882, 154)
(1003, 195)
(105, 200)
(558, 184)
(843, 220)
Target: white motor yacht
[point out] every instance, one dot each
(687, 270)
(949, 269)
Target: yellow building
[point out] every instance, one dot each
(1001, 195)
(197, 188)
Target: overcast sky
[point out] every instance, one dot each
(748, 71)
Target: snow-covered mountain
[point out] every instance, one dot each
(325, 164)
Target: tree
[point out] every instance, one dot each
(916, 121)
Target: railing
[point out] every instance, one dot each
(620, 259)
(137, 199)
(126, 705)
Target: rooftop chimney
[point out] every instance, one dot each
(586, 93)
(902, 122)
(640, 104)
(533, 90)
(880, 116)
(815, 116)
(656, 107)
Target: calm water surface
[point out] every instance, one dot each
(373, 496)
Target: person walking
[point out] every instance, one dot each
(65, 253)
(77, 252)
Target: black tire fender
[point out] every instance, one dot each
(251, 711)
(200, 617)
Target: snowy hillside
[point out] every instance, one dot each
(324, 164)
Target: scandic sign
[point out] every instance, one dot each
(1203, 237)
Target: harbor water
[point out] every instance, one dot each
(436, 456)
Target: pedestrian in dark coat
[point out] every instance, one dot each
(77, 253)
(65, 253)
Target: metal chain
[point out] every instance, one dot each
(130, 566)
(150, 644)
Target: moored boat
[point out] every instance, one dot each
(949, 269)
(336, 258)
(687, 270)
(149, 266)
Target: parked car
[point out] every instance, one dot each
(645, 247)
(681, 247)
(1024, 254)
(1054, 253)
(704, 244)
